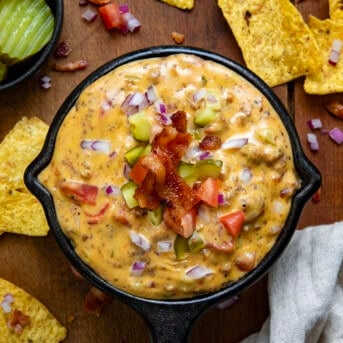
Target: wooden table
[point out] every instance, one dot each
(37, 264)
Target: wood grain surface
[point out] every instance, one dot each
(37, 264)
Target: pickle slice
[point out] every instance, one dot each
(26, 27)
(128, 192)
(140, 126)
(208, 168)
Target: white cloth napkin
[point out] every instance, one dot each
(306, 290)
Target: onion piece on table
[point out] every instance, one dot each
(313, 142)
(314, 124)
(336, 135)
(89, 15)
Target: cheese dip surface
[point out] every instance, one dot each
(172, 176)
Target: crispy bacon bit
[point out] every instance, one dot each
(95, 301)
(335, 108)
(177, 37)
(80, 192)
(146, 194)
(317, 196)
(62, 50)
(245, 261)
(70, 66)
(210, 142)
(17, 321)
(179, 121)
(99, 2)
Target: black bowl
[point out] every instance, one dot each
(24, 70)
(171, 320)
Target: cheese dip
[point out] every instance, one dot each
(171, 176)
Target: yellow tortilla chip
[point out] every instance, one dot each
(20, 210)
(336, 10)
(43, 326)
(183, 4)
(327, 78)
(275, 41)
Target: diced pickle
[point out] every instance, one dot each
(133, 154)
(205, 116)
(267, 136)
(181, 247)
(208, 168)
(140, 126)
(186, 170)
(128, 192)
(196, 242)
(155, 217)
(147, 150)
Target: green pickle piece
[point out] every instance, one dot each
(205, 116)
(196, 242)
(267, 136)
(128, 192)
(26, 27)
(133, 154)
(140, 126)
(208, 168)
(181, 247)
(186, 170)
(155, 217)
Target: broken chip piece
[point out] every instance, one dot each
(328, 77)
(183, 4)
(20, 211)
(336, 10)
(24, 319)
(275, 41)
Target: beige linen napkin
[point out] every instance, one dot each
(306, 290)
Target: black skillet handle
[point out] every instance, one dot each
(170, 323)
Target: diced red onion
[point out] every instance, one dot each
(124, 8)
(132, 23)
(336, 135)
(45, 79)
(127, 107)
(278, 207)
(204, 155)
(139, 240)
(101, 146)
(151, 94)
(126, 171)
(112, 154)
(199, 95)
(235, 143)
(165, 119)
(164, 246)
(314, 124)
(106, 105)
(89, 15)
(221, 199)
(112, 190)
(193, 153)
(86, 144)
(325, 131)
(45, 85)
(313, 142)
(137, 268)
(198, 272)
(8, 297)
(160, 107)
(6, 306)
(335, 51)
(227, 303)
(211, 98)
(139, 100)
(246, 175)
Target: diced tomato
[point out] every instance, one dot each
(80, 192)
(95, 218)
(138, 172)
(183, 227)
(233, 222)
(111, 16)
(208, 191)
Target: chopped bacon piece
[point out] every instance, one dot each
(138, 172)
(183, 226)
(210, 142)
(146, 194)
(70, 66)
(17, 321)
(177, 37)
(95, 301)
(179, 121)
(335, 108)
(80, 192)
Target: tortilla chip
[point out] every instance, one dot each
(43, 326)
(336, 10)
(327, 78)
(183, 4)
(275, 41)
(20, 210)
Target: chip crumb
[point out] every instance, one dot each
(177, 37)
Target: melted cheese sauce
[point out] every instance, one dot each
(265, 196)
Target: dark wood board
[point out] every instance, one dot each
(37, 264)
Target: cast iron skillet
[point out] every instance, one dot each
(26, 69)
(171, 320)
